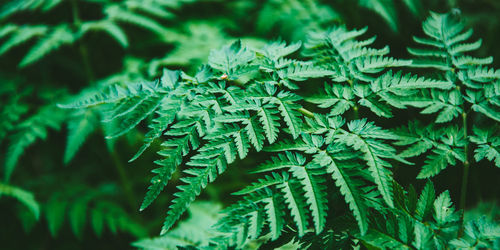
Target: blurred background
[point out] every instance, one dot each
(86, 195)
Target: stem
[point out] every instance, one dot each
(465, 177)
(306, 112)
(356, 112)
(355, 108)
(81, 47)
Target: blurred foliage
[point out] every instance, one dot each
(69, 188)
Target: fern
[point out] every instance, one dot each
(472, 94)
(23, 196)
(26, 133)
(200, 119)
(411, 225)
(95, 206)
(212, 118)
(313, 120)
(361, 76)
(51, 38)
(188, 232)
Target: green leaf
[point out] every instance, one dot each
(425, 201)
(274, 216)
(443, 210)
(314, 193)
(55, 213)
(80, 126)
(297, 205)
(385, 8)
(55, 39)
(23, 196)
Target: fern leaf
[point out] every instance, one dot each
(23, 196)
(444, 213)
(488, 145)
(256, 223)
(297, 205)
(279, 49)
(425, 201)
(301, 72)
(158, 126)
(60, 36)
(479, 233)
(97, 221)
(289, 111)
(435, 163)
(158, 183)
(109, 27)
(25, 34)
(288, 160)
(274, 216)
(143, 110)
(118, 13)
(78, 215)
(360, 138)
(350, 189)
(255, 133)
(83, 123)
(232, 60)
(269, 121)
(314, 193)
(385, 8)
(487, 110)
(208, 164)
(375, 64)
(336, 97)
(55, 213)
(269, 180)
(416, 149)
(29, 131)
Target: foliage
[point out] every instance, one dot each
(300, 130)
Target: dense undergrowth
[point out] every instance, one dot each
(250, 124)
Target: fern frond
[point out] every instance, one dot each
(336, 97)
(80, 126)
(30, 130)
(488, 145)
(188, 232)
(30, 5)
(425, 201)
(273, 209)
(279, 49)
(24, 34)
(444, 212)
(314, 193)
(23, 196)
(295, 200)
(61, 35)
(119, 13)
(362, 136)
(232, 60)
(350, 187)
(269, 180)
(479, 233)
(109, 27)
(287, 160)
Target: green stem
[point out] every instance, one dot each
(81, 47)
(465, 177)
(356, 112)
(355, 108)
(306, 112)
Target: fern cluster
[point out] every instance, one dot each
(324, 125)
(246, 100)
